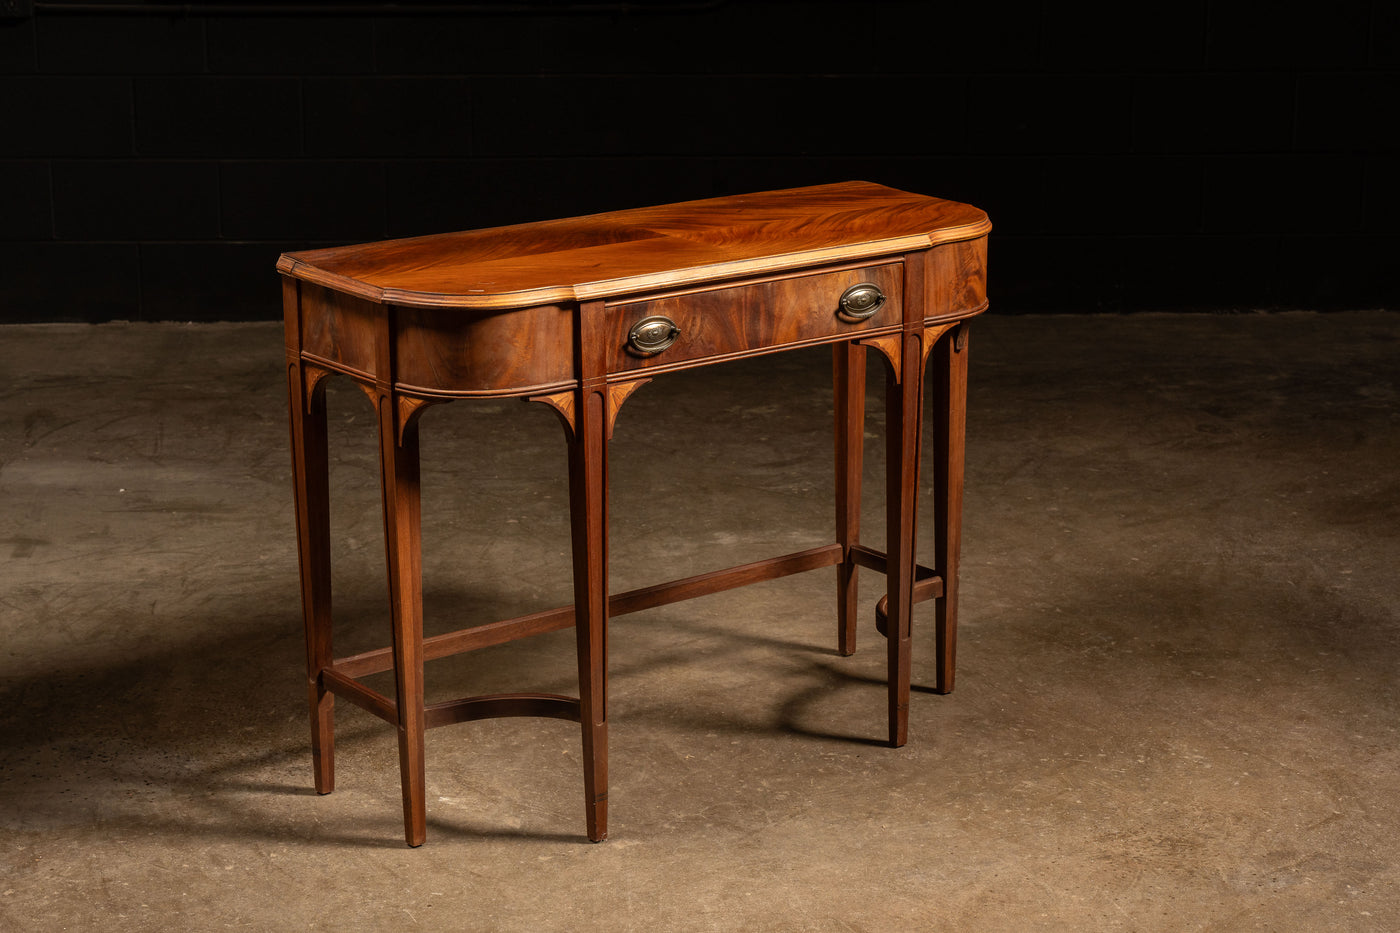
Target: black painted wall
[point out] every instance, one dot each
(1155, 155)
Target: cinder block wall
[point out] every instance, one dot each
(1162, 155)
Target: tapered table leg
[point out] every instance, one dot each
(588, 510)
(903, 397)
(402, 534)
(310, 477)
(950, 421)
(848, 380)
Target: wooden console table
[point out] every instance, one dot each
(578, 314)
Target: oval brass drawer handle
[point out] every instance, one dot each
(652, 334)
(861, 301)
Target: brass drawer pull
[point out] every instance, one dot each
(652, 334)
(861, 301)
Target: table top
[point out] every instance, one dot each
(621, 252)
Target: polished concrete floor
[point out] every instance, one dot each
(1177, 700)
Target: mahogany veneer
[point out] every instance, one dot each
(547, 312)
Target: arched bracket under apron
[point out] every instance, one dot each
(891, 345)
(617, 394)
(410, 409)
(565, 403)
(933, 334)
(313, 380)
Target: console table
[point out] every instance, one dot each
(577, 314)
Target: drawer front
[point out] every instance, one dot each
(745, 319)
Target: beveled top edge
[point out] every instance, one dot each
(666, 246)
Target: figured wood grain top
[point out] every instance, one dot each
(603, 255)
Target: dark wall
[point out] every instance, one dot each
(1190, 154)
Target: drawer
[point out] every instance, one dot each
(741, 320)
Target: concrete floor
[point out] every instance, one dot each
(1177, 700)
